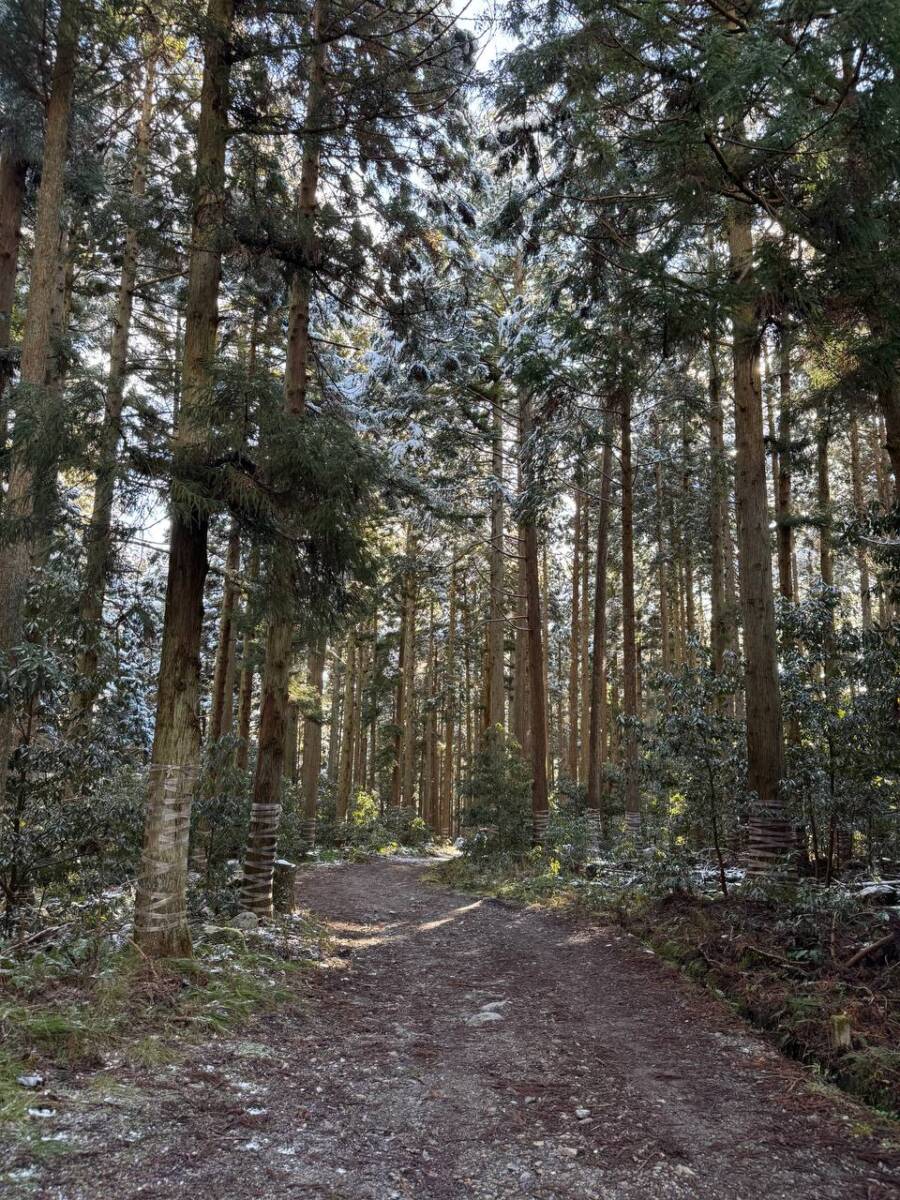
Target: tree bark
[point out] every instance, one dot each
(629, 646)
(785, 532)
(248, 670)
(450, 708)
(718, 514)
(345, 773)
(575, 639)
(540, 804)
(223, 671)
(496, 689)
(312, 748)
(598, 667)
(98, 541)
(13, 173)
(160, 911)
(770, 835)
(862, 564)
(265, 809)
(36, 368)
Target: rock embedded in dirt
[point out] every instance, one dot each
(247, 921)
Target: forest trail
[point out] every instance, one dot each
(470, 1050)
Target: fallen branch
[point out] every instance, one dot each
(872, 948)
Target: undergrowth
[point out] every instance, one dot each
(88, 1002)
(779, 959)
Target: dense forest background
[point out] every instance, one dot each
(405, 440)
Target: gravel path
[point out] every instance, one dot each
(466, 1049)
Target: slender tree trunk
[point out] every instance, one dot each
(718, 514)
(629, 648)
(223, 670)
(160, 916)
(248, 658)
(662, 551)
(450, 708)
(584, 625)
(98, 539)
(291, 741)
(689, 610)
(862, 565)
(785, 532)
(37, 359)
(265, 808)
(496, 689)
(334, 719)
(540, 805)
(13, 173)
(575, 639)
(404, 741)
(598, 667)
(770, 835)
(823, 500)
(345, 774)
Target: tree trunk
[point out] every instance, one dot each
(13, 172)
(265, 809)
(584, 624)
(770, 835)
(345, 774)
(450, 707)
(223, 671)
(865, 592)
(37, 355)
(662, 550)
(823, 501)
(160, 916)
(575, 639)
(718, 515)
(598, 667)
(312, 748)
(785, 533)
(540, 805)
(248, 671)
(629, 647)
(404, 738)
(98, 540)
(496, 688)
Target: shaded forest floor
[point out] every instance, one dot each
(457, 1047)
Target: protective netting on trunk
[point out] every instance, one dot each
(161, 907)
(259, 860)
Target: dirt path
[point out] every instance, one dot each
(469, 1050)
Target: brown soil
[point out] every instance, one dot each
(466, 1049)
